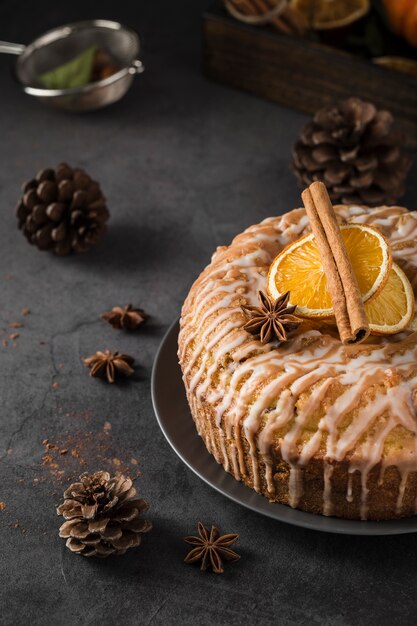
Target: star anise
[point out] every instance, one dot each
(109, 365)
(272, 320)
(210, 548)
(127, 318)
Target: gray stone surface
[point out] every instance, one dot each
(185, 165)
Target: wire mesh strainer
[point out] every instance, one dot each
(62, 44)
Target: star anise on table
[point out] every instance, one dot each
(210, 548)
(272, 320)
(128, 317)
(109, 365)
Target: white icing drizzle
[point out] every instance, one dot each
(327, 498)
(295, 485)
(401, 491)
(349, 494)
(309, 398)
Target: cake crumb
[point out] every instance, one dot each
(3, 505)
(5, 343)
(74, 452)
(18, 526)
(48, 460)
(15, 325)
(25, 311)
(56, 385)
(14, 335)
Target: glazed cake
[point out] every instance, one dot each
(311, 423)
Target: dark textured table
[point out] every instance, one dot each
(185, 165)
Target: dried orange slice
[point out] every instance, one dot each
(399, 64)
(298, 269)
(393, 309)
(327, 14)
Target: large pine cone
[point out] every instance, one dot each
(102, 515)
(62, 210)
(353, 148)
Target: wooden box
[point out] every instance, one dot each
(299, 73)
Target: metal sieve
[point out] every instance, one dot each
(62, 44)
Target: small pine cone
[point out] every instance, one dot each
(354, 149)
(102, 515)
(62, 210)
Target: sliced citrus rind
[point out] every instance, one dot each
(327, 14)
(393, 309)
(298, 269)
(399, 64)
(361, 257)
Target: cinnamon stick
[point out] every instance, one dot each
(343, 287)
(275, 12)
(263, 8)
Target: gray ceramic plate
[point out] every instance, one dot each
(174, 417)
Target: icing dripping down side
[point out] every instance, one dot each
(310, 399)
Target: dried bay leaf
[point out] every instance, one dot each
(75, 73)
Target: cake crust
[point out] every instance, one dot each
(311, 423)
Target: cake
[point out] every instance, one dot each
(310, 423)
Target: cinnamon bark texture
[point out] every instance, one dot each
(344, 291)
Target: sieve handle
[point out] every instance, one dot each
(6, 47)
(136, 67)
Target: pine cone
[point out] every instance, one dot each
(62, 210)
(353, 148)
(102, 515)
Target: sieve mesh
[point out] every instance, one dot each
(63, 44)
